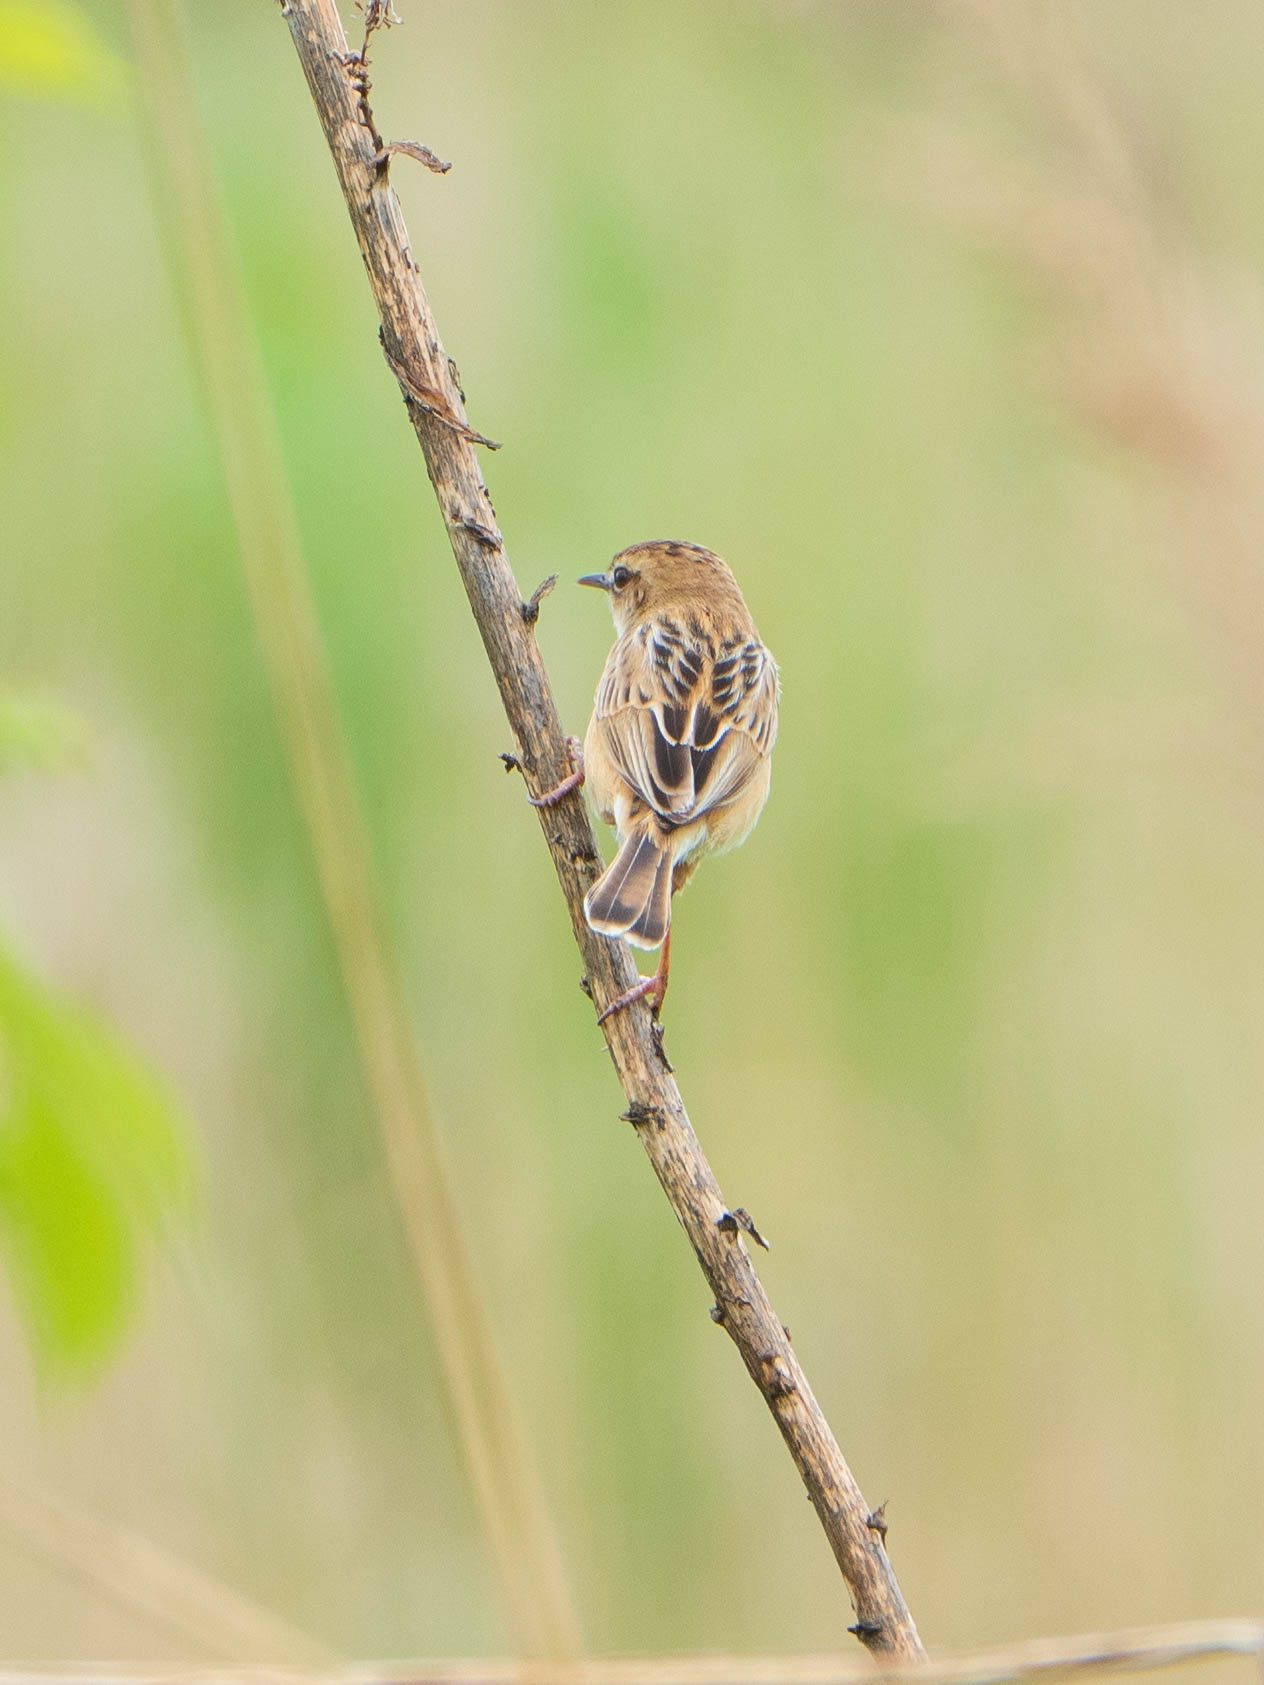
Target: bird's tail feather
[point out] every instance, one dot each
(632, 897)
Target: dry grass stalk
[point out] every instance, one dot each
(523, 1544)
(149, 1580)
(1142, 1649)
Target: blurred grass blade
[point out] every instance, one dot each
(523, 1545)
(93, 1157)
(141, 1576)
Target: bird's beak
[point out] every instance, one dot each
(600, 580)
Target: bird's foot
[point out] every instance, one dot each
(639, 991)
(550, 798)
(645, 987)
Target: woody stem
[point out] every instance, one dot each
(655, 1106)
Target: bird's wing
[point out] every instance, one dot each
(687, 720)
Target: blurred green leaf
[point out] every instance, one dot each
(38, 735)
(93, 1158)
(50, 51)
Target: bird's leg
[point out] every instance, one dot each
(660, 975)
(655, 986)
(550, 798)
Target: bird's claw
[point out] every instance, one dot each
(550, 798)
(639, 991)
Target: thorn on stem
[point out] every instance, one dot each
(484, 535)
(531, 608)
(431, 401)
(731, 1221)
(656, 1032)
(641, 1112)
(865, 1630)
(412, 149)
(876, 1521)
(512, 763)
(779, 1381)
(747, 1223)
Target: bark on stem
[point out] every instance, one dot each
(339, 85)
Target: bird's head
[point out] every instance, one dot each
(665, 576)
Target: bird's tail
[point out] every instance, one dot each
(632, 897)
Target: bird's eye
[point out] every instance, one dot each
(620, 577)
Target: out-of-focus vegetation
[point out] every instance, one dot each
(942, 324)
(52, 52)
(90, 1160)
(93, 1159)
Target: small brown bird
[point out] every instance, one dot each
(678, 749)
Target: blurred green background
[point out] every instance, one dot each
(943, 324)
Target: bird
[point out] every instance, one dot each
(677, 755)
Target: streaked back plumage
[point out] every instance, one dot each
(677, 752)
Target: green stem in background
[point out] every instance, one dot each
(523, 1544)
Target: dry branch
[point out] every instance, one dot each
(339, 83)
(1137, 1650)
